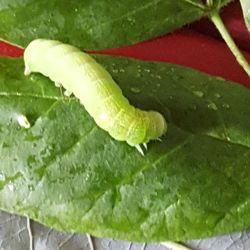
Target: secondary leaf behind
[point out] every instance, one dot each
(94, 24)
(245, 4)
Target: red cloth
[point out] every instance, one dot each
(198, 46)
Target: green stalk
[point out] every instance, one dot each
(216, 19)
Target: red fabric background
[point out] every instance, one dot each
(198, 46)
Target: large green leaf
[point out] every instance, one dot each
(94, 24)
(68, 174)
(245, 4)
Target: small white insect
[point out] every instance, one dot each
(23, 121)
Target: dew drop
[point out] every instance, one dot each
(212, 106)
(135, 90)
(198, 93)
(87, 176)
(226, 106)
(193, 107)
(31, 187)
(217, 95)
(131, 20)
(76, 9)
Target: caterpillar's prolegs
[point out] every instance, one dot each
(68, 93)
(58, 84)
(138, 147)
(140, 150)
(27, 71)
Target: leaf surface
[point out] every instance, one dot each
(94, 24)
(245, 4)
(68, 174)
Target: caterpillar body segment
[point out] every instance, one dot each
(81, 75)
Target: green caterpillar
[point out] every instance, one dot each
(81, 75)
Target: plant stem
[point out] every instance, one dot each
(30, 234)
(174, 245)
(91, 244)
(216, 19)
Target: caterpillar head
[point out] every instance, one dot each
(157, 126)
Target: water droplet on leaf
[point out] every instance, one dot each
(193, 107)
(135, 90)
(31, 187)
(217, 95)
(131, 20)
(212, 106)
(198, 93)
(226, 106)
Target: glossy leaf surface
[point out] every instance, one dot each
(95, 24)
(68, 174)
(246, 11)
